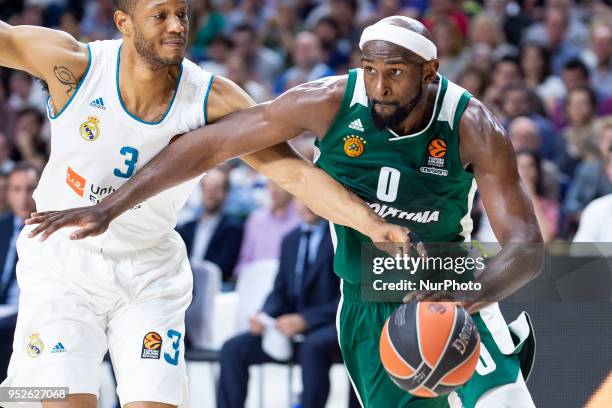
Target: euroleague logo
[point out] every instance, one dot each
(354, 145)
(151, 345)
(436, 158)
(437, 148)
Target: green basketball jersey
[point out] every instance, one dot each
(416, 180)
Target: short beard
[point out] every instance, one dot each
(145, 51)
(397, 117)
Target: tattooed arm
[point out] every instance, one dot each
(53, 56)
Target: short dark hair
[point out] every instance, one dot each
(127, 6)
(509, 58)
(590, 94)
(577, 64)
(24, 166)
(32, 111)
(249, 28)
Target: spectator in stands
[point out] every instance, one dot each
(280, 29)
(6, 164)
(25, 93)
(29, 144)
(215, 236)
(592, 179)
(598, 56)
(209, 25)
(4, 207)
(21, 184)
(486, 32)
(308, 58)
(264, 64)
(345, 13)
(452, 54)
(303, 301)
(517, 101)
(506, 71)
(578, 141)
(248, 12)
(217, 55)
(98, 22)
(523, 133)
(560, 35)
(247, 190)
(535, 65)
(70, 24)
(546, 210)
(336, 50)
(575, 74)
(237, 71)
(474, 80)
(265, 228)
(8, 115)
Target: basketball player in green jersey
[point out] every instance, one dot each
(414, 146)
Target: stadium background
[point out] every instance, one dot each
(543, 67)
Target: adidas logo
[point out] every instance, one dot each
(356, 124)
(59, 348)
(98, 103)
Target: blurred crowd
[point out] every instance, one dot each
(543, 67)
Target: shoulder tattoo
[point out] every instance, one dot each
(66, 78)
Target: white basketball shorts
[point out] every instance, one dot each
(77, 302)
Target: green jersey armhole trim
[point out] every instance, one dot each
(212, 77)
(344, 106)
(49, 113)
(466, 97)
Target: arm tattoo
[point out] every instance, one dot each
(66, 77)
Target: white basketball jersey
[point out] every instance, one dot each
(97, 145)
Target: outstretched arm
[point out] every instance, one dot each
(485, 146)
(310, 107)
(51, 55)
(504, 195)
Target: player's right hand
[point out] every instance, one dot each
(91, 221)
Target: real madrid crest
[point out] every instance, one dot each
(35, 345)
(90, 129)
(354, 145)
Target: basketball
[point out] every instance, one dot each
(152, 341)
(430, 348)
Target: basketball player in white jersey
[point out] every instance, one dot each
(113, 106)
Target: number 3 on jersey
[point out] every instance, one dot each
(131, 157)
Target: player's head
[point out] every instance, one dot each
(399, 60)
(157, 29)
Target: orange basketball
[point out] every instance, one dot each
(152, 341)
(430, 348)
(437, 148)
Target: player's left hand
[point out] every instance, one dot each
(394, 239)
(91, 220)
(291, 324)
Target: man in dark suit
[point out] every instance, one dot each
(303, 301)
(214, 237)
(21, 184)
